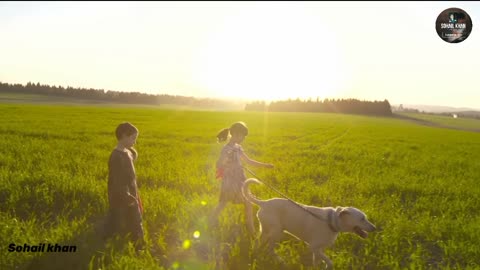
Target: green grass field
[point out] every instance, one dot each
(417, 184)
(446, 121)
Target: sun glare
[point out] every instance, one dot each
(278, 53)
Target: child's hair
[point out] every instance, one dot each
(125, 129)
(236, 128)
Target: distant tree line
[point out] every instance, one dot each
(110, 96)
(456, 114)
(467, 114)
(350, 106)
(405, 110)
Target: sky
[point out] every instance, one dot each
(244, 50)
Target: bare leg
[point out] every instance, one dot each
(249, 218)
(213, 219)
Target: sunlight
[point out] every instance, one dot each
(186, 244)
(277, 53)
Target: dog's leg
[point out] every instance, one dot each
(314, 262)
(264, 241)
(324, 258)
(271, 238)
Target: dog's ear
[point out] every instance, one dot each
(343, 211)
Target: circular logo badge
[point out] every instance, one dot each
(453, 25)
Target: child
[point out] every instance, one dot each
(230, 169)
(125, 211)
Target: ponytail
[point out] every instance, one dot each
(236, 128)
(223, 135)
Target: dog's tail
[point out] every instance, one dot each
(246, 191)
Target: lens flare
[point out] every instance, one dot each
(186, 244)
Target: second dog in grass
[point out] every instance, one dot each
(317, 226)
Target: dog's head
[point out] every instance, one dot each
(355, 221)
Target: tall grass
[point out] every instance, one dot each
(417, 184)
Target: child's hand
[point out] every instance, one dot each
(270, 166)
(131, 200)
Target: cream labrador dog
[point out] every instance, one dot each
(317, 226)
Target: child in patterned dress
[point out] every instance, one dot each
(229, 168)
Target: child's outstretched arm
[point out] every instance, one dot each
(254, 162)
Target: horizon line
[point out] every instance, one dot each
(240, 100)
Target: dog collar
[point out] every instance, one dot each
(331, 222)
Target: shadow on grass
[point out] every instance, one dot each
(90, 251)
